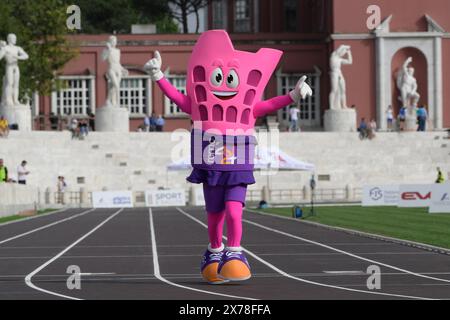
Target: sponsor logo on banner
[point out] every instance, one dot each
(380, 195)
(165, 198)
(412, 196)
(112, 199)
(440, 198)
(415, 195)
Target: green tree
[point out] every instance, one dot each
(108, 16)
(41, 31)
(181, 9)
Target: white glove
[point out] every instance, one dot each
(153, 67)
(302, 90)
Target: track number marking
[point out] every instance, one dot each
(374, 280)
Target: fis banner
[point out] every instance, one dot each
(440, 198)
(376, 195)
(165, 198)
(112, 199)
(415, 195)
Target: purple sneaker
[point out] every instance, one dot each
(234, 265)
(210, 265)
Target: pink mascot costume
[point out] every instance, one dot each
(224, 90)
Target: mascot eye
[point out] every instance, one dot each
(232, 79)
(217, 77)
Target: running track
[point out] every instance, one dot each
(155, 254)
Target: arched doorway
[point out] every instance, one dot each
(422, 45)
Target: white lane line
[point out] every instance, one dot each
(33, 217)
(197, 275)
(39, 269)
(97, 274)
(348, 272)
(287, 275)
(344, 252)
(377, 237)
(161, 278)
(46, 226)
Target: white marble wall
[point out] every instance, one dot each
(15, 199)
(137, 161)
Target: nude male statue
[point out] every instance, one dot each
(338, 98)
(12, 55)
(115, 71)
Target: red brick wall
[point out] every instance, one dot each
(350, 15)
(446, 81)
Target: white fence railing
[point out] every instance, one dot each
(83, 198)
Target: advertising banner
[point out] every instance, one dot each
(415, 195)
(112, 199)
(380, 195)
(440, 198)
(165, 198)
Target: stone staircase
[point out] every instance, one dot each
(137, 161)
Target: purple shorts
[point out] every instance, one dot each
(215, 196)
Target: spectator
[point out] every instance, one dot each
(293, 113)
(147, 123)
(372, 129)
(153, 119)
(4, 127)
(263, 205)
(160, 123)
(3, 172)
(390, 118)
(83, 128)
(440, 176)
(92, 121)
(22, 173)
(54, 121)
(422, 116)
(363, 132)
(61, 186)
(265, 122)
(73, 127)
(402, 118)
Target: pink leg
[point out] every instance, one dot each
(215, 228)
(233, 211)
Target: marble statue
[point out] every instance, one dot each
(115, 72)
(341, 56)
(110, 117)
(12, 55)
(407, 84)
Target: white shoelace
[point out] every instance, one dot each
(233, 254)
(215, 256)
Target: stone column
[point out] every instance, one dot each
(66, 196)
(49, 196)
(349, 194)
(266, 194)
(438, 92)
(84, 197)
(380, 87)
(307, 193)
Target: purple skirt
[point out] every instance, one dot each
(221, 178)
